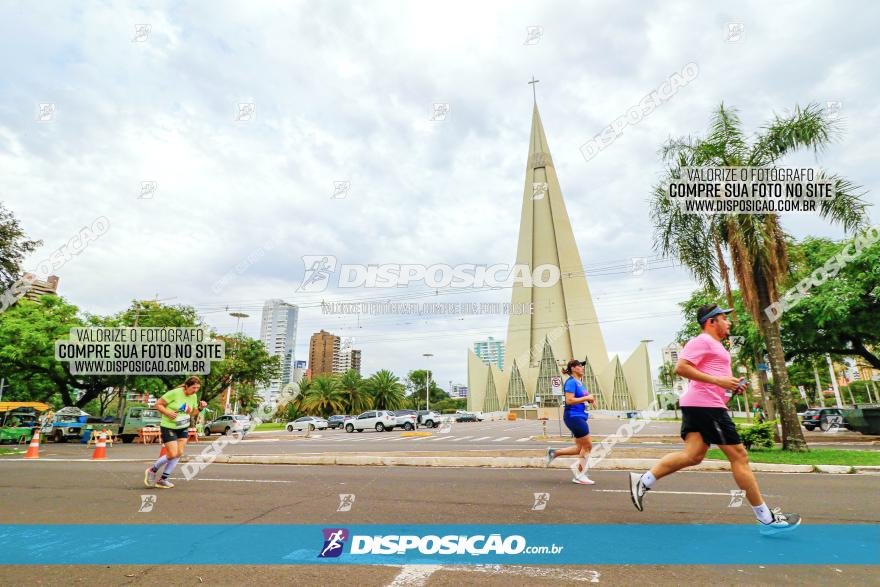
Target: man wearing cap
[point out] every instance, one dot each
(705, 420)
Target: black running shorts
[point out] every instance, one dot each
(714, 424)
(173, 434)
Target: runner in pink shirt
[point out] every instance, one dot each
(705, 420)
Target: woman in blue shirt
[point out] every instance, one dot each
(575, 417)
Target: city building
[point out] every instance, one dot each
(39, 287)
(278, 335)
(323, 349)
(671, 353)
(491, 351)
(563, 323)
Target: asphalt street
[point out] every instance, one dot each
(67, 492)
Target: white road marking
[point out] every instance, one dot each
(481, 438)
(502, 438)
(462, 438)
(414, 575)
(524, 439)
(441, 438)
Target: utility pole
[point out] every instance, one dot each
(427, 383)
(833, 381)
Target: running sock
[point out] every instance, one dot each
(762, 512)
(162, 460)
(170, 467)
(648, 479)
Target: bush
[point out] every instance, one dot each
(757, 435)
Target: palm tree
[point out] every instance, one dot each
(754, 243)
(386, 389)
(666, 374)
(323, 396)
(353, 386)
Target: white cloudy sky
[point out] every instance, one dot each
(344, 91)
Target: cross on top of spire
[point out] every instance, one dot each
(534, 93)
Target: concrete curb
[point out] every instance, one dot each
(510, 463)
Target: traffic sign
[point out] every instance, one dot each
(556, 385)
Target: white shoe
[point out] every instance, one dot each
(582, 479)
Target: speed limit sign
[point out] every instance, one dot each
(556, 385)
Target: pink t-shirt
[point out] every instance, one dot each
(709, 356)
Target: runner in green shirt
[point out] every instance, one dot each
(179, 407)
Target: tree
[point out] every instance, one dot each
(14, 245)
(840, 315)
(666, 374)
(246, 364)
(754, 243)
(356, 397)
(415, 385)
(386, 390)
(324, 396)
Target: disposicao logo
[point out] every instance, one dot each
(334, 541)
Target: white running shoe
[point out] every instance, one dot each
(548, 458)
(782, 522)
(582, 479)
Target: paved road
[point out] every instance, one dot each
(110, 493)
(498, 435)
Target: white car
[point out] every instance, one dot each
(406, 419)
(307, 422)
(378, 420)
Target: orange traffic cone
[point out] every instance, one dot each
(101, 448)
(33, 451)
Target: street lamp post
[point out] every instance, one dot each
(238, 318)
(427, 383)
(834, 381)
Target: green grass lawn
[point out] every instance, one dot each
(816, 456)
(270, 426)
(9, 451)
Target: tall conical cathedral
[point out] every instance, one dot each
(563, 324)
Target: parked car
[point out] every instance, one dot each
(823, 418)
(465, 417)
(406, 419)
(338, 421)
(308, 422)
(429, 418)
(227, 423)
(379, 420)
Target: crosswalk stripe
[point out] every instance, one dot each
(481, 438)
(462, 438)
(500, 439)
(524, 439)
(447, 437)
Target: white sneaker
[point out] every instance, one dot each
(582, 479)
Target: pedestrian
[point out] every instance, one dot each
(575, 417)
(705, 420)
(179, 407)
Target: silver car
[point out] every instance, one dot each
(227, 423)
